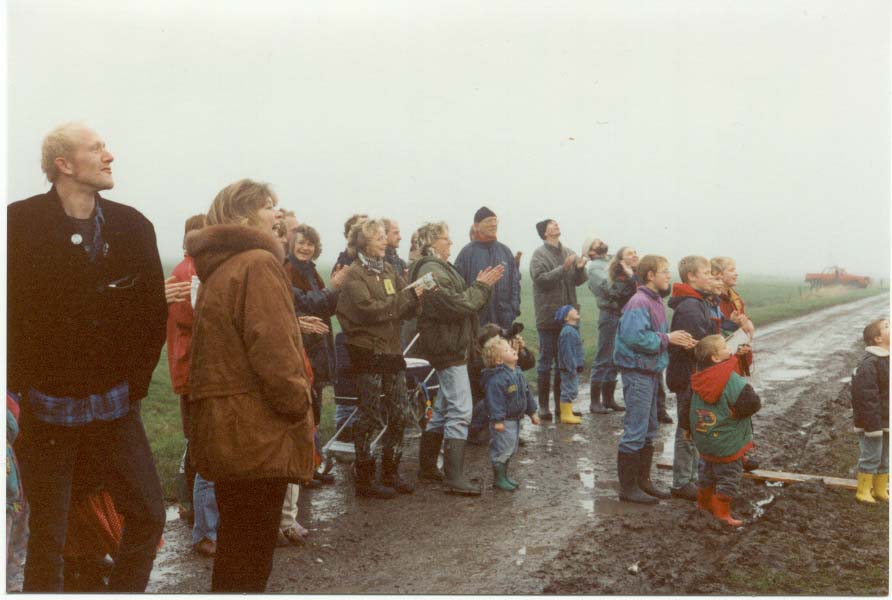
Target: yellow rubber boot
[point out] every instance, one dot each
(865, 485)
(880, 481)
(567, 415)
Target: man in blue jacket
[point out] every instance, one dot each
(486, 251)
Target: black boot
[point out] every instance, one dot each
(627, 469)
(595, 406)
(543, 384)
(428, 453)
(390, 472)
(364, 481)
(645, 460)
(454, 464)
(607, 390)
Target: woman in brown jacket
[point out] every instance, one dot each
(372, 303)
(250, 406)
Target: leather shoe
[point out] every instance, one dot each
(206, 547)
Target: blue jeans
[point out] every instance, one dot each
(118, 455)
(874, 453)
(480, 418)
(724, 477)
(640, 418)
(452, 413)
(548, 350)
(207, 517)
(569, 386)
(503, 444)
(603, 369)
(684, 465)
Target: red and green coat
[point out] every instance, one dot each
(721, 409)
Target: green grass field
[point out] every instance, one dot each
(767, 299)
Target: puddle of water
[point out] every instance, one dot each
(578, 439)
(586, 472)
(527, 461)
(774, 484)
(588, 506)
(786, 374)
(172, 513)
(521, 556)
(759, 506)
(845, 379)
(611, 507)
(602, 484)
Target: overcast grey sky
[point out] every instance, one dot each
(756, 129)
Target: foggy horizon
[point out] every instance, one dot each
(756, 130)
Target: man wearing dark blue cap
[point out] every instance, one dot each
(486, 251)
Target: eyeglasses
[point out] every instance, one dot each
(665, 272)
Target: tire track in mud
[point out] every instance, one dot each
(566, 519)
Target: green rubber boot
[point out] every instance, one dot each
(499, 479)
(510, 479)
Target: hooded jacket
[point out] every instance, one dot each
(722, 405)
(642, 336)
(504, 305)
(692, 313)
(250, 391)
(870, 392)
(508, 396)
(553, 287)
(448, 321)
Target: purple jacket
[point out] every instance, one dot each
(642, 338)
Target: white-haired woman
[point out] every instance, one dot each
(250, 404)
(373, 302)
(448, 326)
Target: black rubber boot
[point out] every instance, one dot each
(645, 460)
(390, 472)
(627, 469)
(454, 464)
(364, 481)
(543, 384)
(607, 390)
(428, 453)
(595, 406)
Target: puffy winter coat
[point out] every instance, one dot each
(448, 322)
(504, 306)
(250, 392)
(507, 394)
(642, 335)
(692, 313)
(870, 392)
(552, 286)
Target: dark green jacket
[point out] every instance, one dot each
(448, 321)
(370, 310)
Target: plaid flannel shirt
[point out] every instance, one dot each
(69, 412)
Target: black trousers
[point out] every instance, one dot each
(246, 537)
(115, 453)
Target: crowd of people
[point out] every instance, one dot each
(247, 319)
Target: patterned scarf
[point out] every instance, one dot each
(375, 265)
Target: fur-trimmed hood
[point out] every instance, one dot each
(213, 245)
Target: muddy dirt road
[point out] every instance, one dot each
(564, 530)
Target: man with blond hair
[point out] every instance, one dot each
(86, 324)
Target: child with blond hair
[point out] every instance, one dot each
(870, 406)
(508, 399)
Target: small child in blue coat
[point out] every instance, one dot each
(571, 360)
(508, 398)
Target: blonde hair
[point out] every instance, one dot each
(720, 263)
(708, 347)
(690, 264)
(239, 203)
(360, 234)
(650, 263)
(491, 350)
(428, 234)
(349, 223)
(60, 142)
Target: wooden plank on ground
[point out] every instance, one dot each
(765, 475)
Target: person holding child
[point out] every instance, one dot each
(870, 407)
(641, 353)
(721, 410)
(692, 306)
(508, 399)
(571, 360)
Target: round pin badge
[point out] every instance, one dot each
(77, 239)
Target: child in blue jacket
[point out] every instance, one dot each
(571, 360)
(508, 398)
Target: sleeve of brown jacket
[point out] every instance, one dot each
(272, 339)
